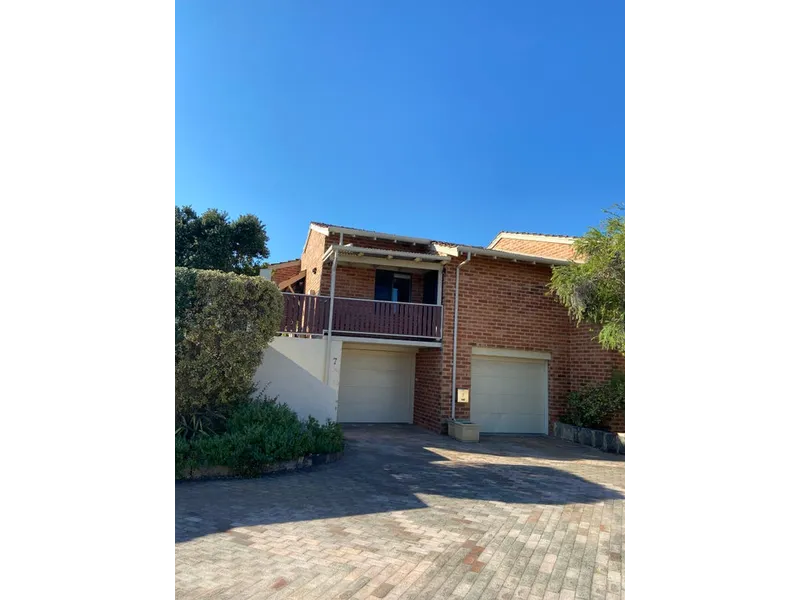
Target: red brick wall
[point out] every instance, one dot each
(351, 282)
(428, 411)
(283, 273)
(590, 365)
(319, 283)
(359, 282)
(312, 259)
(503, 305)
(365, 242)
(536, 248)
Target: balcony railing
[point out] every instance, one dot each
(309, 315)
(304, 314)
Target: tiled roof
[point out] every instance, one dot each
(431, 249)
(556, 235)
(283, 262)
(366, 231)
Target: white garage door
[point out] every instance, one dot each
(509, 395)
(375, 386)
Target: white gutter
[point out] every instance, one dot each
(378, 235)
(455, 337)
(512, 256)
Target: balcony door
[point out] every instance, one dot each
(392, 286)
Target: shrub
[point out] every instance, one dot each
(257, 433)
(326, 438)
(594, 406)
(223, 322)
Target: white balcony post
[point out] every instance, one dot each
(439, 302)
(330, 318)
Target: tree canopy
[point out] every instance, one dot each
(594, 290)
(213, 241)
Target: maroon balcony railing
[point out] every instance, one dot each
(305, 314)
(395, 319)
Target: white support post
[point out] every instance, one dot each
(439, 302)
(330, 318)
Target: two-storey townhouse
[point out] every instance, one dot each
(399, 325)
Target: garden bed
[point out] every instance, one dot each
(222, 472)
(602, 440)
(255, 438)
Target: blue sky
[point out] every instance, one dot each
(447, 119)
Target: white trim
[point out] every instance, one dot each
(413, 382)
(547, 398)
(446, 250)
(323, 230)
(393, 263)
(354, 342)
(513, 256)
(376, 234)
(311, 228)
(286, 263)
(388, 335)
(348, 249)
(510, 353)
(532, 237)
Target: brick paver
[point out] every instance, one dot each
(410, 514)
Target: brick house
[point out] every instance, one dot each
(402, 308)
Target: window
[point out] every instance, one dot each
(395, 287)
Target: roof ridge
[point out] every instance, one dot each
(559, 235)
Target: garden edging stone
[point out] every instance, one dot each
(602, 440)
(222, 472)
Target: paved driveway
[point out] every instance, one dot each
(410, 514)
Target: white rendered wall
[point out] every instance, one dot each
(292, 369)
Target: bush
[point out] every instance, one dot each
(223, 323)
(257, 434)
(594, 406)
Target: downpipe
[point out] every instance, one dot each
(326, 375)
(455, 336)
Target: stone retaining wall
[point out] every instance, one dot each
(289, 465)
(603, 440)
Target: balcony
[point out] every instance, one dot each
(309, 315)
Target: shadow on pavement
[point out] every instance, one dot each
(379, 473)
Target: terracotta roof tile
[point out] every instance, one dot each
(556, 235)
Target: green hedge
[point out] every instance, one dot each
(256, 434)
(594, 406)
(223, 323)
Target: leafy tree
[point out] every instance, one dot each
(212, 241)
(594, 290)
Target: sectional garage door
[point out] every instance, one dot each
(509, 395)
(375, 386)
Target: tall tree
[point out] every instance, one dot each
(213, 241)
(594, 290)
